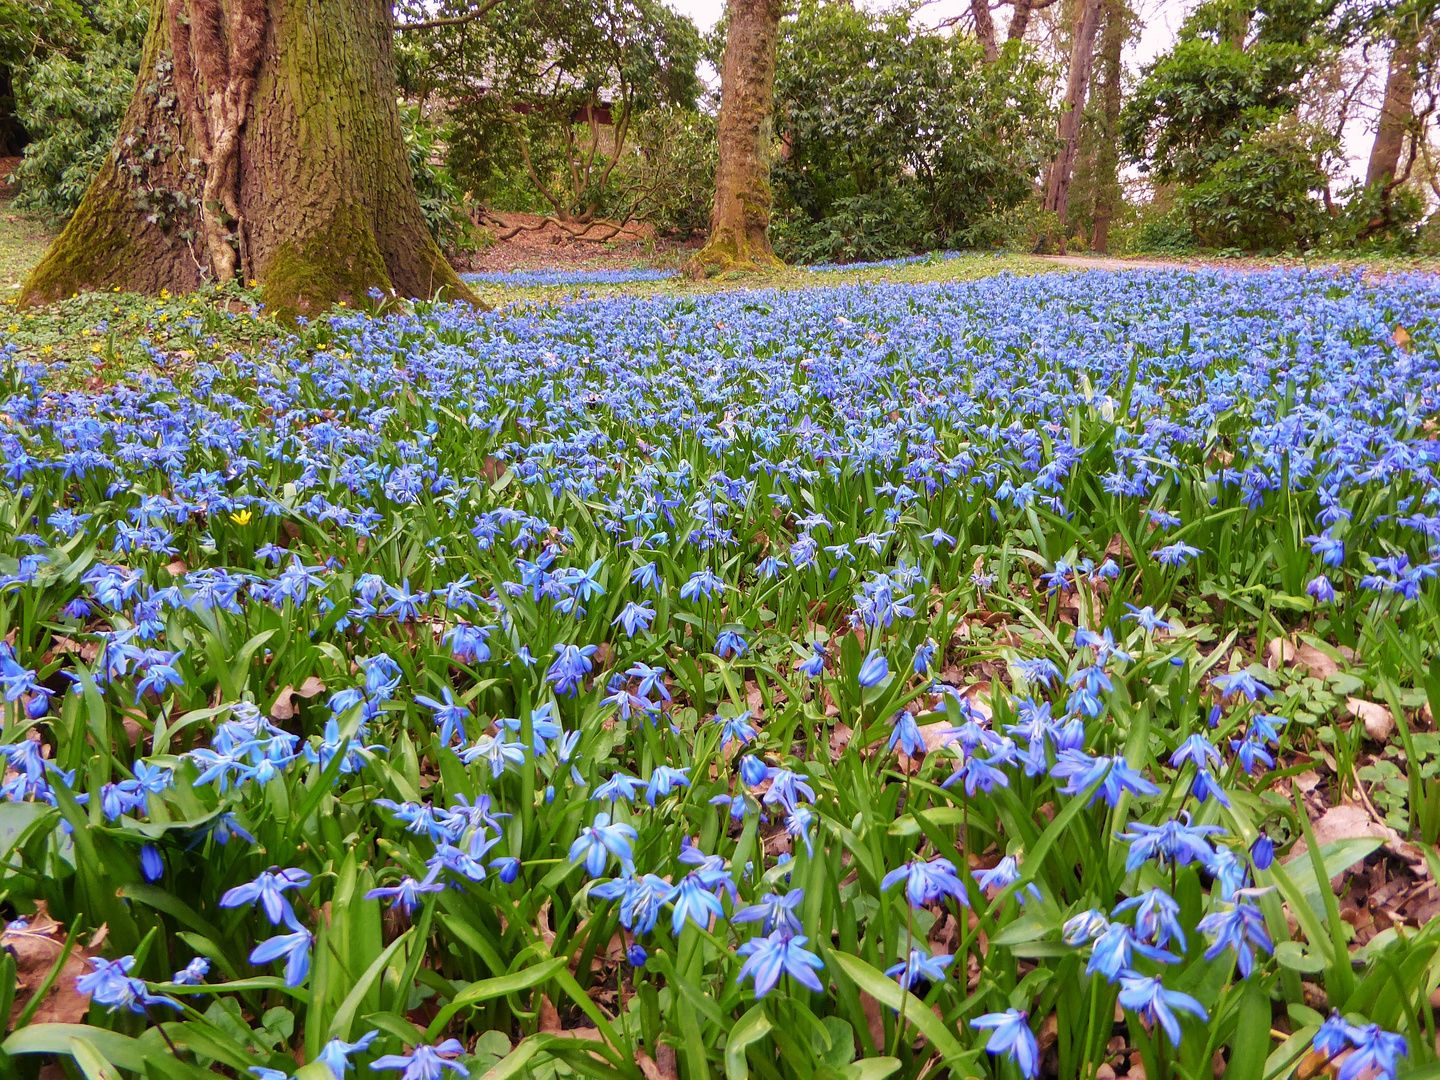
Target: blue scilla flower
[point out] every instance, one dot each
(1240, 682)
(695, 902)
(735, 729)
(1157, 917)
(637, 956)
(1114, 950)
(926, 882)
(634, 618)
(599, 840)
(1011, 1037)
(335, 1055)
(730, 643)
(773, 911)
(571, 664)
(293, 948)
(111, 985)
(1262, 851)
(1147, 996)
(406, 896)
(814, 664)
(640, 900)
(665, 779)
(780, 953)
(1176, 554)
(906, 732)
(1321, 589)
(1236, 926)
(450, 716)
(1083, 927)
(920, 966)
(268, 890)
(1330, 549)
(753, 771)
(874, 670)
(1175, 841)
(702, 583)
(469, 643)
(423, 1062)
(1147, 619)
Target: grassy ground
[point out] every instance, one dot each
(23, 241)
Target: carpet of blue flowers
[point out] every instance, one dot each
(853, 682)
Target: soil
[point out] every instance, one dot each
(542, 245)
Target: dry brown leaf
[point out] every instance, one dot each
(1379, 724)
(285, 707)
(1317, 663)
(1347, 821)
(661, 1067)
(1278, 653)
(1401, 337)
(36, 947)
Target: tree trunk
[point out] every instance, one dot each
(1107, 154)
(985, 29)
(1396, 115)
(1062, 169)
(740, 220)
(263, 139)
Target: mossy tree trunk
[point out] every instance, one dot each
(263, 140)
(740, 221)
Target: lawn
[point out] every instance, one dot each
(930, 669)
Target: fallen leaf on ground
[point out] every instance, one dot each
(285, 707)
(1349, 821)
(36, 946)
(1379, 724)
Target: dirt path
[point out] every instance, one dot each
(1100, 262)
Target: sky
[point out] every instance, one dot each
(1161, 19)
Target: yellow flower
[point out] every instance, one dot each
(164, 294)
(13, 327)
(241, 517)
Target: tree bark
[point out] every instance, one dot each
(1396, 114)
(262, 140)
(1020, 17)
(1062, 169)
(985, 29)
(740, 220)
(1107, 96)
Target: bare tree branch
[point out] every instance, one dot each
(452, 20)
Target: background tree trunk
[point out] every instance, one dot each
(1396, 114)
(985, 29)
(1082, 54)
(1106, 95)
(740, 220)
(262, 139)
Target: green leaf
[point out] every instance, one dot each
(91, 1063)
(119, 1050)
(872, 1068)
(489, 989)
(888, 992)
(749, 1029)
(345, 1015)
(1290, 954)
(1339, 855)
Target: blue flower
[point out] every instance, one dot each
(663, 780)
(1262, 852)
(406, 895)
(730, 643)
(335, 1055)
(1010, 1035)
(1176, 554)
(1330, 549)
(813, 665)
(735, 729)
(111, 985)
(640, 900)
(907, 733)
(1157, 917)
(599, 840)
(1237, 926)
(1198, 751)
(920, 967)
(773, 911)
(1240, 682)
(635, 617)
(782, 952)
(1320, 588)
(1146, 995)
(1175, 841)
(926, 882)
(152, 865)
(268, 890)
(693, 901)
(295, 948)
(874, 670)
(423, 1062)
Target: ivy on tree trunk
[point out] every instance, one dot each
(262, 140)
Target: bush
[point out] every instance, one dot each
(441, 200)
(898, 140)
(71, 101)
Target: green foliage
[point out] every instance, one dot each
(1264, 193)
(1160, 231)
(72, 86)
(547, 90)
(669, 170)
(440, 198)
(1219, 116)
(897, 139)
